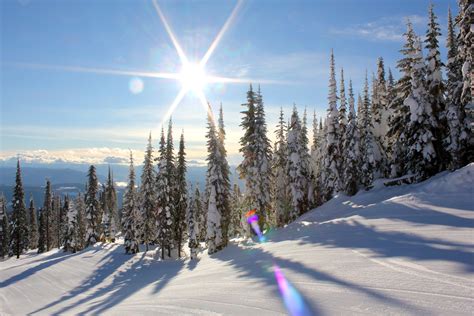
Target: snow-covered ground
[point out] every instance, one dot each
(396, 250)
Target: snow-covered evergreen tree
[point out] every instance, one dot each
(342, 118)
(42, 231)
(351, 149)
(56, 221)
(215, 184)
(236, 209)
(332, 155)
(33, 227)
(93, 212)
(71, 228)
(110, 219)
(201, 215)
(457, 134)
(48, 216)
(193, 226)
(380, 116)
(400, 117)
(464, 57)
(19, 226)
(181, 198)
(295, 168)
(436, 90)
(148, 198)
(62, 221)
(317, 154)
(131, 214)
(164, 192)
(256, 149)
(307, 183)
(81, 229)
(421, 157)
(4, 228)
(281, 194)
(367, 141)
(223, 202)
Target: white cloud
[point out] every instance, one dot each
(383, 29)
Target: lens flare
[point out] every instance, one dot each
(294, 302)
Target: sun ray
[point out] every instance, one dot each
(221, 33)
(181, 54)
(148, 74)
(218, 79)
(173, 106)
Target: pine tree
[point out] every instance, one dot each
(465, 58)
(223, 202)
(171, 182)
(47, 213)
(56, 224)
(163, 199)
(422, 157)
(342, 119)
(400, 112)
(456, 140)
(181, 198)
(148, 197)
(236, 207)
(332, 154)
(214, 238)
(317, 153)
(42, 235)
(351, 149)
(19, 229)
(380, 116)
(367, 142)
(131, 214)
(436, 90)
(81, 230)
(305, 167)
(201, 214)
(294, 167)
(93, 213)
(111, 219)
(63, 220)
(71, 228)
(33, 231)
(193, 226)
(282, 203)
(4, 228)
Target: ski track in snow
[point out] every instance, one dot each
(396, 250)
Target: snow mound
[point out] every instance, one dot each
(393, 250)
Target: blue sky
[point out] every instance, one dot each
(49, 114)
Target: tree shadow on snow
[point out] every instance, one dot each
(257, 264)
(354, 235)
(129, 275)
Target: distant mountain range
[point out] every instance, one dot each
(72, 179)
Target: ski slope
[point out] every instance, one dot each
(392, 250)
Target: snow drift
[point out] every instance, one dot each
(392, 250)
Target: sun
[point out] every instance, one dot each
(193, 77)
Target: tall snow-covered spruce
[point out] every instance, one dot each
(181, 198)
(19, 228)
(217, 189)
(256, 151)
(148, 197)
(367, 142)
(131, 218)
(93, 212)
(351, 149)
(193, 226)
(281, 194)
(332, 157)
(4, 228)
(33, 225)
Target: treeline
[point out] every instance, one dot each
(405, 130)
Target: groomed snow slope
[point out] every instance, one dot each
(396, 250)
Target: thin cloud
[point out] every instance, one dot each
(384, 29)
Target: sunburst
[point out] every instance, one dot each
(192, 76)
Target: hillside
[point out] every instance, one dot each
(392, 250)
